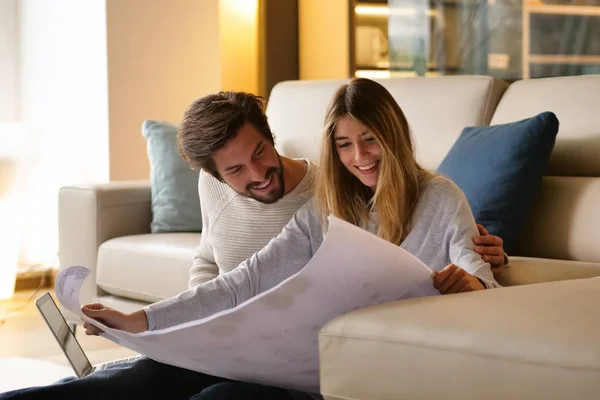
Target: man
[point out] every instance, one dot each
(248, 193)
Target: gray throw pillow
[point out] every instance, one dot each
(174, 186)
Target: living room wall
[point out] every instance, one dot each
(324, 41)
(160, 58)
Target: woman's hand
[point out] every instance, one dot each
(454, 279)
(135, 322)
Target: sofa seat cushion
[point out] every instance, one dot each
(148, 267)
(524, 342)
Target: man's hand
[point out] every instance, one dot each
(453, 279)
(135, 322)
(491, 249)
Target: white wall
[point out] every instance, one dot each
(8, 61)
(64, 107)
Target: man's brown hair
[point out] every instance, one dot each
(210, 121)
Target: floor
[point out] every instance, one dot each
(23, 333)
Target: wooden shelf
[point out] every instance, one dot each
(531, 7)
(363, 9)
(560, 9)
(373, 68)
(564, 59)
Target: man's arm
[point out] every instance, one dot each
(491, 249)
(204, 268)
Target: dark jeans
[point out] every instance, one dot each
(147, 379)
(242, 391)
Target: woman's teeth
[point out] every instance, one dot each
(264, 185)
(367, 167)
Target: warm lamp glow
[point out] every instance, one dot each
(372, 74)
(245, 8)
(385, 11)
(372, 10)
(238, 44)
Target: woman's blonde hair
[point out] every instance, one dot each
(340, 193)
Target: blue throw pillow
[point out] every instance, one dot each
(174, 186)
(500, 169)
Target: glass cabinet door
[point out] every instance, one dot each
(510, 39)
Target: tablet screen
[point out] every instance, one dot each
(60, 329)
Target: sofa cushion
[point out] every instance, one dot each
(564, 221)
(148, 267)
(174, 186)
(526, 270)
(500, 169)
(574, 100)
(524, 342)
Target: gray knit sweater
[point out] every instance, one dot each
(441, 234)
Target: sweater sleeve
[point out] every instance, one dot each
(461, 229)
(284, 256)
(204, 267)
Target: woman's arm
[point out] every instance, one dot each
(460, 232)
(284, 256)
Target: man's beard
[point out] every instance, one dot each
(276, 193)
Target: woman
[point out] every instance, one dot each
(369, 177)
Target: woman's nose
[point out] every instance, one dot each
(360, 153)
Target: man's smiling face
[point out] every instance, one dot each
(251, 166)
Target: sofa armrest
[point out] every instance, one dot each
(525, 271)
(92, 214)
(522, 342)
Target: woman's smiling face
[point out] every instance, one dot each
(358, 150)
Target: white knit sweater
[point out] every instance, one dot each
(234, 227)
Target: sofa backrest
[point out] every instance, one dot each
(437, 110)
(566, 218)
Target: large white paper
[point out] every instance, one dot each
(272, 338)
(67, 287)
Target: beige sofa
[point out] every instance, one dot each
(523, 342)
